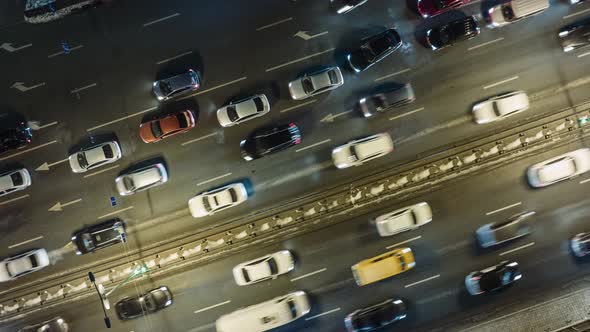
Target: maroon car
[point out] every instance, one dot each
(428, 8)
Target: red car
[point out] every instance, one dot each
(158, 129)
(428, 8)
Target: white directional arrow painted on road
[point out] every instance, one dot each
(330, 117)
(59, 207)
(45, 166)
(22, 88)
(8, 47)
(303, 35)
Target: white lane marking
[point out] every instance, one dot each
(45, 166)
(583, 54)
(173, 58)
(297, 106)
(303, 35)
(161, 19)
(275, 23)
(48, 125)
(391, 75)
(500, 82)
(404, 242)
(115, 212)
(299, 60)
(309, 274)
(101, 171)
(503, 208)
(584, 181)
(421, 281)
(121, 119)
(83, 88)
(212, 306)
(25, 242)
(323, 314)
(406, 114)
(59, 206)
(313, 145)
(213, 179)
(197, 139)
(219, 86)
(62, 52)
(14, 199)
(576, 13)
(485, 44)
(29, 150)
(517, 248)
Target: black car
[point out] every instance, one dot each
(376, 316)
(374, 49)
(452, 32)
(269, 140)
(14, 138)
(493, 278)
(154, 300)
(56, 324)
(387, 100)
(575, 36)
(99, 236)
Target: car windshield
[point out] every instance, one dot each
(128, 183)
(307, 85)
(333, 77)
(496, 109)
(150, 302)
(108, 152)
(353, 155)
(233, 194)
(507, 12)
(33, 259)
(165, 87)
(17, 178)
(259, 104)
(82, 160)
(292, 308)
(246, 276)
(272, 265)
(156, 129)
(379, 46)
(232, 114)
(182, 121)
(402, 262)
(206, 204)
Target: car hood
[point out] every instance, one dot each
(121, 188)
(296, 90)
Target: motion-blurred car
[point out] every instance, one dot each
(154, 300)
(580, 244)
(376, 316)
(428, 8)
(573, 2)
(383, 266)
(243, 110)
(265, 141)
(453, 32)
(387, 100)
(99, 236)
(56, 324)
(264, 268)
(357, 152)
(513, 228)
(500, 107)
(492, 278)
(14, 180)
(95, 156)
(575, 36)
(344, 6)
(511, 11)
(374, 49)
(169, 125)
(23, 264)
(178, 85)
(141, 179)
(404, 219)
(14, 138)
(210, 202)
(315, 83)
(559, 168)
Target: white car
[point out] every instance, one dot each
(355, 153)
(14, 181)
(95, 156)
(264, 268)
(500, 107)
(559, 168)
(243, 110)
(210, 202)
(404, 219)
(141, 179)
(25, 263)
(315, 83)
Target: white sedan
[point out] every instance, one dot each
(559, 168)
(210, 202)
(404, 219)
(318, 82)
(95, 156)
(25, 263)
(355, 153)
(500, 107)
(243, 110)
(264, 268)
(141, 179)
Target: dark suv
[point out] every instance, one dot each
(452, 32)
(387, 100)
(376, 316)
(99, 236)
(269, 140)
(14, 138)
(374, 49)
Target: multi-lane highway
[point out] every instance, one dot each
(103, 87)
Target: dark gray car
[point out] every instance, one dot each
(152, 301)
(515, 227)
(387, 100)
(575, 36)
(178, 85)
(56, 324)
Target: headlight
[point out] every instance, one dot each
(564, 33)
(344, 9)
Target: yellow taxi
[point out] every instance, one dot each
(383, 266)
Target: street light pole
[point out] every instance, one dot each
(107, 320)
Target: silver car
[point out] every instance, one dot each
(178, 85)
(357, 152)
(500, 107)
(264, 268)
(22, 264)
(404, 219)
(141, 179)
(15, 180)
(315, 83)
(95, 156)
(56, 324)
(210, 202)
(515, 227)
(559, 168)
(243, 110)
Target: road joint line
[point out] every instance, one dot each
(14, 199)
(503, 208)
(25, 242)
(297, 106)
(174, 57)
(28, 150)
(115, 212)
(213, 179)
(404, 242)
(299, 60)
(212, 306)
(393, 74)
(584, 181)
(489, 86)
(218, 86)
(83, 88)
(48, 125)
(516, 249)
(485, 44)
(197, 139)
(160, 19)
(583, 54)
(576, 13)
(309, 274)
(274, 23)
(421, 281)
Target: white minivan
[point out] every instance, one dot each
(514, 10)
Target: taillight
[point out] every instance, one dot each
(292, 125)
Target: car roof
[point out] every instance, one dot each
(146, 177)
(558, 169)
(375, 146)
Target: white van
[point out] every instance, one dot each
(514, 10)
(14, 181)
(266, 315)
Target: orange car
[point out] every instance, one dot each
(158, 129)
